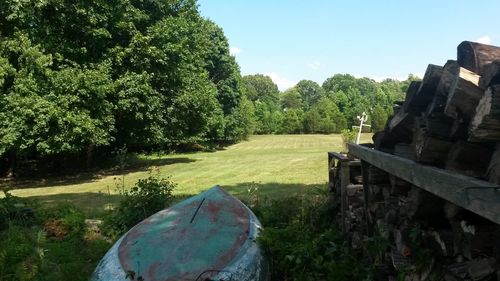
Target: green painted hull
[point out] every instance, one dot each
(210, 236)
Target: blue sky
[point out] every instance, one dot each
(297, 39)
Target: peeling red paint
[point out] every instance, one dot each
(184, 249)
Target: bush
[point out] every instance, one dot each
(348, 136)
(147, 197)
(302, 243)
(63, 221)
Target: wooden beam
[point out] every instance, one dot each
(480, 197)
(338, 156)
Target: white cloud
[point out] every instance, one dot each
(314, 65)
(234, 50)
(484, 40)
(282, 82)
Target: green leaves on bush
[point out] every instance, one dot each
(302, 243)
(147, 197)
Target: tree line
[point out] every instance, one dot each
(310, 108)
(76, 76)
(79, 79)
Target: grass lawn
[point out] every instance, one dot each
(279, 165)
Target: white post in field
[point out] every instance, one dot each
(363, 118)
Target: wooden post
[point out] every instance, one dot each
(344, 182)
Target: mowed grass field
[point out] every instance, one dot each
(277, 165)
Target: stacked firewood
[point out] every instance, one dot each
(451, 118)
(429, 237)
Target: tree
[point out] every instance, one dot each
(242, 123)
(291, 99)
(292, 121)
(378, 118)
(80, 74)
(260, 87)
(310, 92)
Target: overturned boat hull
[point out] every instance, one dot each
(210, 236)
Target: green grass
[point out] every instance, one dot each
(279, 165)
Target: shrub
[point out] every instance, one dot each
(147, 197)
(64, 220)
(302, 243)
(348, 136)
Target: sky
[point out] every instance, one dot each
(291, 40)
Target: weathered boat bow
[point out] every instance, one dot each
(210, 236)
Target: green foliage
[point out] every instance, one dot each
(310, 92)
(65, 218)
(291, 99)
(301, 243)
(75, 76)
(348, 136)
(147, 197)
(45, 244)
(325, 109)
(292, 121)
(14, 210)
(259, 87)
(378, 118)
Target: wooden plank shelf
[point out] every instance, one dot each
(478, 196)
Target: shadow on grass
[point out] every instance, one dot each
(273, 190)
(96, 204)
(134, 164)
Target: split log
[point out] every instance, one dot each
(399, 187)
(464, 95)
(494, 166)
(490, 75)
(422, 204)
(399, 128)
(410, 95)
(475, 56)
(425, 93)
(469, 159)
(430, 150)
(485, 125)
(438, 125)
(459, 129)
(450, 71)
